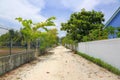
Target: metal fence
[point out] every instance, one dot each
(13, 56)
(11, 62)
(13, 53)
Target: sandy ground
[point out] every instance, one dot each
(60, 64)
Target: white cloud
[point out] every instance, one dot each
(88, 4)
(31, 9)
(2, 31)
(10, 9)
(77, 5)
(38, 3)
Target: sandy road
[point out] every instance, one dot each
(60, 64)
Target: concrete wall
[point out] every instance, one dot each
(106, 50)
(10, 62)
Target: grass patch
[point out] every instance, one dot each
(100, 63)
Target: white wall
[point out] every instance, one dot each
(106, 50)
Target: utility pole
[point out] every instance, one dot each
(11, 31)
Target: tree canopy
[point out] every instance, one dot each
(82, 26)
(30, 30)
(49, 38)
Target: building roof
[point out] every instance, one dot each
(113, 16)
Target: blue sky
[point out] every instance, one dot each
(40, 10)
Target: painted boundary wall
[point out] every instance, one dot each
(106, 50)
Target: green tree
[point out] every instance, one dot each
(48, 39)
(68, 42)
(30, 30)
(111, 30)
(98, 34)
(81, 24)
(13, 35)
(118, 32)
(4, 39)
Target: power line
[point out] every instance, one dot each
(1, 26)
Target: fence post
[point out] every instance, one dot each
(36, 48)
(10, 45)
(11, 31)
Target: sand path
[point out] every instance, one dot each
(60, 64)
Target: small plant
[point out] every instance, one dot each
(100, 63)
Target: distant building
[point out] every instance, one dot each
(114, 21)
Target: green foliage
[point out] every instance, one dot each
(15, 35)
(111, 30)
(48, 22)
(100, 63)
(98, 34)
(86, 38)
(48, 39)
(12, 34)
(82, 25)
(30, 30)
(68, 40)
(5, 37)
(118, 33)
